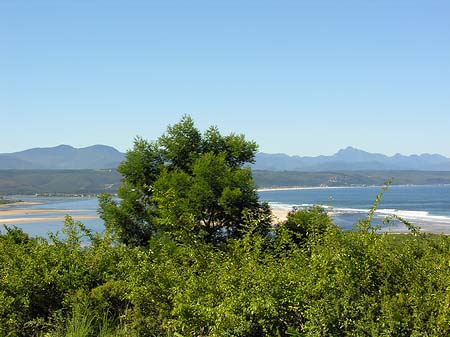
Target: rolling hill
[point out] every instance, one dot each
(63, 157)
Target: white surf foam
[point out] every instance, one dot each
(417, 217)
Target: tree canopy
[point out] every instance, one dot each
(185, 183)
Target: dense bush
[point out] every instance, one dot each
(357, 283)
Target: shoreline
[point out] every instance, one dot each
(25, 211)
(30, 215)
(435, 224)
(259, 189)
(19, 202)
(299, 188)
(44, 219)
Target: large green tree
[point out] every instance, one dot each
(186, 184)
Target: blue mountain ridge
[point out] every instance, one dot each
(107, 157)
(351, 159)
(63, 157)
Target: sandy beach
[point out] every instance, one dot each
(13, 216)
(279, 214)
(5, 215)
(19, 211)
(21, 203)
(299, 188)
(43, 219)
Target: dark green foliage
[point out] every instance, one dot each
(181, 144)
(58, 181)
(357, 283)
(185, 184)
(306, 224)
(154, 271)
(39, 279)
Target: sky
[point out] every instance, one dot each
(298, 77)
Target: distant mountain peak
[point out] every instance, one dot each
(351, 158)
(63, 157)
(349, 150)
(105, 149)
(104, 157)
(100, 146)
(62, 146)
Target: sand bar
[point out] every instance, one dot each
(19, 211)
(43, 219)
(21, 203)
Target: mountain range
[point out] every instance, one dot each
(351, 159)
(107, 157)
(62, 157)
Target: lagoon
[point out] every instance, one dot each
(425, 206)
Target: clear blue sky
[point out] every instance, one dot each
(300, 77)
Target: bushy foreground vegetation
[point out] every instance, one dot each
(306, 280)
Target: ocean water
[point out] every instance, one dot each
(425, 206)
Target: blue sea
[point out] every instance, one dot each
(425, 206)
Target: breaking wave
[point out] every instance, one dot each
(413, 216)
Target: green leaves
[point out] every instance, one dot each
(181, 144)
(333, 283)
(307, 225)
(184, 181)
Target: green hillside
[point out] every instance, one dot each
(98, 181)
(58, 181)
(348, 178)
